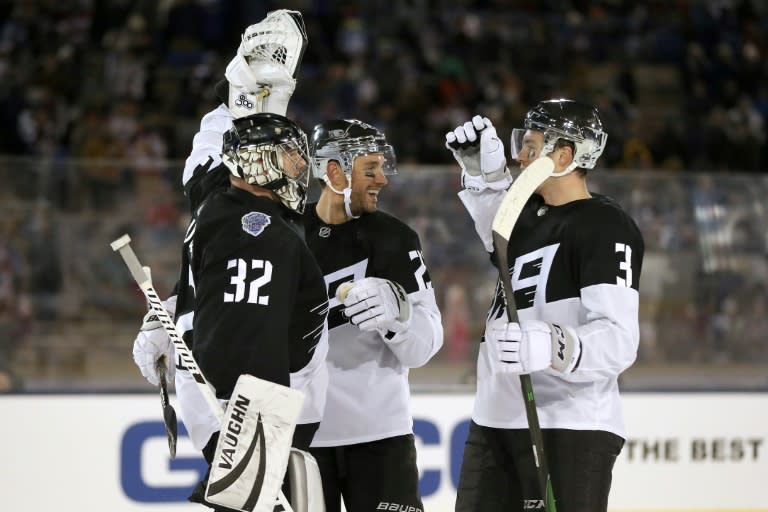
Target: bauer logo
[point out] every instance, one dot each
(149, 475)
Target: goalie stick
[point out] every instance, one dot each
(169, 413)
(503, 224)
(122, 246)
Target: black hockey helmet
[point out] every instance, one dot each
(343, 140)
(270, 151)
(570, 120)
(262, 128)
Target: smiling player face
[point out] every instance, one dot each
(367, 181)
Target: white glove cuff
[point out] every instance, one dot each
(566, 348)
(478, 183)
(394, 337)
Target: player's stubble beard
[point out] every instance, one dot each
(365, 202)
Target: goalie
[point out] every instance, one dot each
(250, 298)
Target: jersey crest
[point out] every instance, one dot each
(254, 223)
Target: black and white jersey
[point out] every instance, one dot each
(579, 265)
(251, 299)
(368, 393)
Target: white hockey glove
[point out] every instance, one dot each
(482, 161)
(375, 304)
(260, 87)
(153, 342)
(532, 346)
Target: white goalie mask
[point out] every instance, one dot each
(270, 151)
(262, 75)
(564, 119)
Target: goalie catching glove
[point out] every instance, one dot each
(153, 342)
(262, 75)
(481, 158)
(532, 346)
(375, 304)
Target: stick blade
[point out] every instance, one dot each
(171, 428)
(517, 195)
(169, 413)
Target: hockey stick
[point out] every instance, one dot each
(122, 245)
(503, 223)
(169, 413)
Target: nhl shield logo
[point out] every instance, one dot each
(254, 223)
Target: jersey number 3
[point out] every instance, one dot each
(625, 265)
(239, 270)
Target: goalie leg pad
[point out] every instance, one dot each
(254, 444)
(306, 484)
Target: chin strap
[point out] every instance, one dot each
(348, 202)
(347, 193)
(567, 170)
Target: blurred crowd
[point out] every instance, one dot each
(680, 85)
(100, 98)
(66, 297)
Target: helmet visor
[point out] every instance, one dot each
(383, 157)
(523, 145)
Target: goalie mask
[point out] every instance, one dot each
(569, 120)
(270, 151)
(343, 140)
(262, 75)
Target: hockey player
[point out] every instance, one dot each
(261, 77)
(268, 153)
(383, 323)
(251, 298)
(576, 259)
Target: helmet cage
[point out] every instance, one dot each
(279, 162)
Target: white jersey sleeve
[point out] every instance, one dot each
(313, 381)
(415, 346)
(482, 206)
(198, 418)
(208, 141)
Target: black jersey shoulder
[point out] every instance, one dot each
(204, 182)
(600, 217)
(379, 228)
(232, 219)
(387, 225)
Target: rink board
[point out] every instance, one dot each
(685, 452)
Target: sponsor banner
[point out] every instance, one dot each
(684, 452)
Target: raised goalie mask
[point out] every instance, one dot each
(262, 75)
